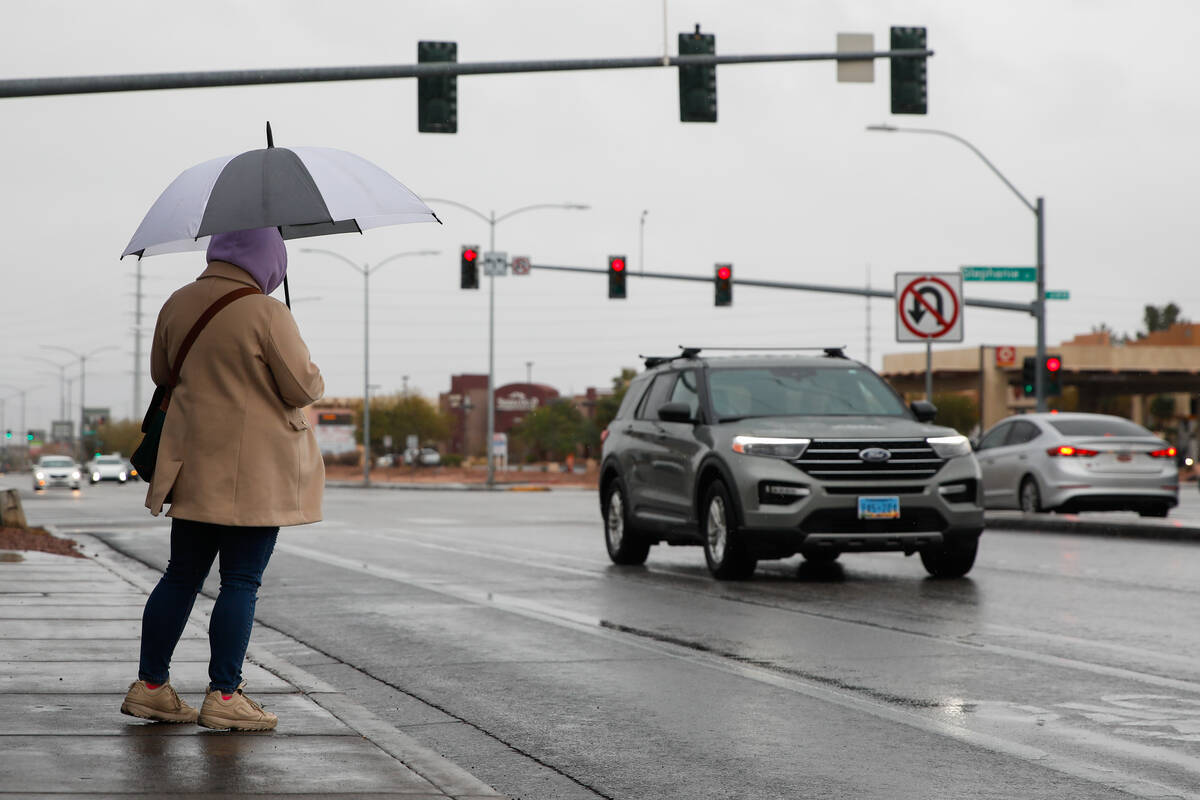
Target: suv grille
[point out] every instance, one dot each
(838, 459)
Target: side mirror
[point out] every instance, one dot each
(923, 410)
(675, 412)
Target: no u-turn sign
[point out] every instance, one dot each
(929, 307)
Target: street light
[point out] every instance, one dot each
(492, 220)
(366, 270)
(83, 357)
(1039, 213)
(62, 385)
(3, 401)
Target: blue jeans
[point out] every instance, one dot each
(244, 553)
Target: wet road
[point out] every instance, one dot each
(493, 628)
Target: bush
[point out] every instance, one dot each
(452, 460)
(348, 459)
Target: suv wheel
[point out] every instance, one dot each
(724, 545)
(1030, 497)
(953, 559)
(623, 543)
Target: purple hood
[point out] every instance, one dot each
(259, 251)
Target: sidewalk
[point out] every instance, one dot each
(69, 630)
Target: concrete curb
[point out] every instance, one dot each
(443, 774)
(458, 487)
(1166, 530)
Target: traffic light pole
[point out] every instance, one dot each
(91, 84)
(1001, 305)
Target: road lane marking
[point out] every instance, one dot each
(947, 725)
(996, 649)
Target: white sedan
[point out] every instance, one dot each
(107, 468)
(1077, 462)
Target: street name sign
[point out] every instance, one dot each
(929, 307)
(495, 263)
(1022, 274)
(1059, 294)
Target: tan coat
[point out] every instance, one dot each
(236, 447)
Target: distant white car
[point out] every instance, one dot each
(107, 468)
(50, 471)
(429, 457)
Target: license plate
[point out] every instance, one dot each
(879, 508)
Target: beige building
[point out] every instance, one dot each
(1096, 372)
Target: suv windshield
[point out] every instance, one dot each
(801, 391)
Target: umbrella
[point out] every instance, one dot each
(303, 191)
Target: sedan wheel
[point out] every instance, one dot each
(725, 548)
(1031, 498)
(624, 545)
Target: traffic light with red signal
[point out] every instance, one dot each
(469, 266)
(616, 277)
(723, 284)
(1052, 376)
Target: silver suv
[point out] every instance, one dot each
(760, 457)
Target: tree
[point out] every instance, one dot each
(1160, 318)
(118, 436)
(552, 431)
(606, 407)
(401, 415)
(1162, 411)
(956, 411)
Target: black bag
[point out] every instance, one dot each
(145, 456)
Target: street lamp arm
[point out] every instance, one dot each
(402, 255)
(571, 206)
(464, 207)
(48, 361)
(965, 143)
(338, 256)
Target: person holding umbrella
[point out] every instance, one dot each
(236, 458)
(236, 461)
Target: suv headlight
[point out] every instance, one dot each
(950, 446)
(770, 446)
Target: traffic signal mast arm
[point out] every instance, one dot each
(1002, 305)
(91, 84)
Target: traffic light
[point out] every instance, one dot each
(8, 434)
(469, 266)
(697, 83)
(437, 96)
(909, 93)
(29, 437)
(723, 283)
(1052, 376)
(1028, 376)
(616, 277)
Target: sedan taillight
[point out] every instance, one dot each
(1072, 452)
(1166, 452)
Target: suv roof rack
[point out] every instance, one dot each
(837, 351)
(685, 352)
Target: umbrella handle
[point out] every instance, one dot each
(287, 295)
(270, 138)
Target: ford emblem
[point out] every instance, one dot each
(874, 455)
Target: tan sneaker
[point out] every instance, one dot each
(161, 704)
(238, 713)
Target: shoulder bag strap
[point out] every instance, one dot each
(190, 339)
(208, 314)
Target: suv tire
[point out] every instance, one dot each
(725, 547)
(623, 543)
(953, 559)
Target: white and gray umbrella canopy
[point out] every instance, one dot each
(303, 191)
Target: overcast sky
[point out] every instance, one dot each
(1090, 104)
